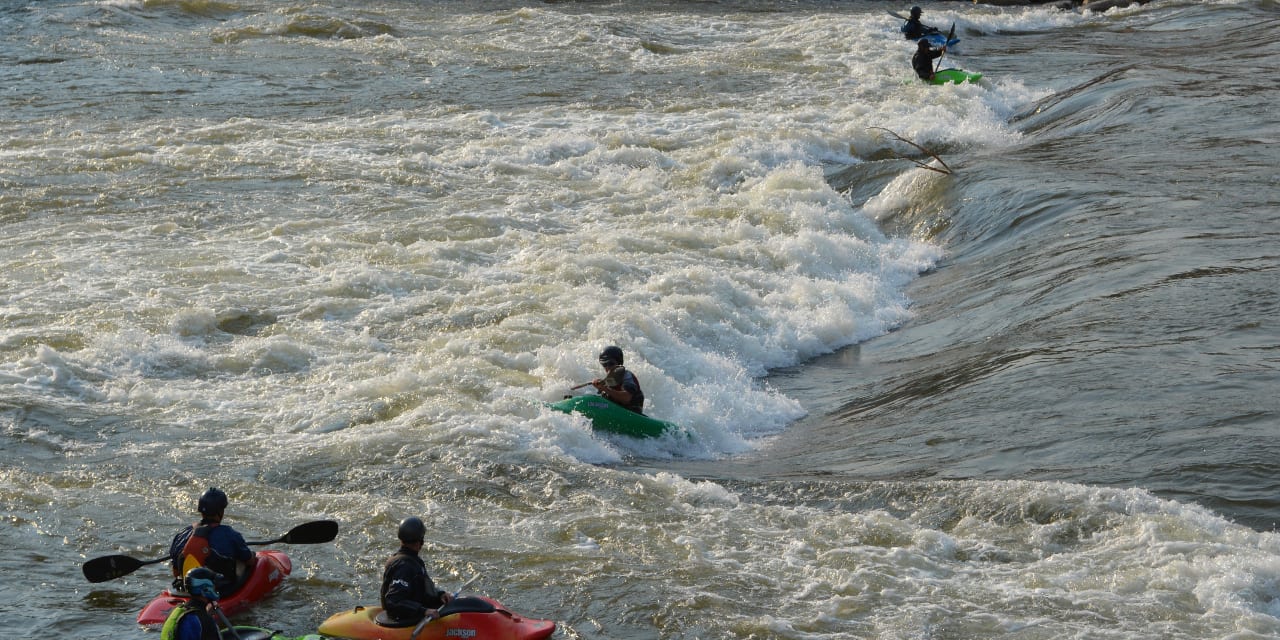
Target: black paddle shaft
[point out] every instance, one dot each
(944, 46)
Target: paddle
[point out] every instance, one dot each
(585, 384)
(317, 532)
(225, 622)
(466, 584)
(112, 567)
(944, 47)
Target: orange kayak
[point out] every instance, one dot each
(466, 617)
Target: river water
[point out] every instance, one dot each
(332, 257)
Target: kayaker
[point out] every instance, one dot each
(209, 543)
(922, 61)
(408, 594)
(618, 384)
(914, 29)
(193, 619)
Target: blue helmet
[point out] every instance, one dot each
(200, 582)
(213, 501)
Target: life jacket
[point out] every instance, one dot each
(637, 399)
(208, 628)
(617, 377)
(197, 551)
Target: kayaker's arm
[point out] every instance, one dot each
(616, 394)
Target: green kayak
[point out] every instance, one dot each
(957, 76)
(614, 418)
(259, 633)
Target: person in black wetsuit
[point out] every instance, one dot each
(618, 384)
(408, 594)
(922, 61)
(914, 29)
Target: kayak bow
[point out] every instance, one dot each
(611, 417)
(957, 76)
(466, 617)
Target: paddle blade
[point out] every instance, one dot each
(112, 567)
(316, 532)
(306, 533)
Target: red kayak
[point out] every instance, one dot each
(269, 570)
(466, 617)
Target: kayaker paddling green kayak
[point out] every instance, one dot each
(924, 67)
(620, 406)
(619, 385)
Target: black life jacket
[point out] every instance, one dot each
(619, 375)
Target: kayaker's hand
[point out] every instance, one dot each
(605, 391)
(446, 597)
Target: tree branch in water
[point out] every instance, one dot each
(923, 165)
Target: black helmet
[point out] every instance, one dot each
(412, 530)
(923, 43)
(611, 356)
(915, 12)
(201, 582)
(213, 501)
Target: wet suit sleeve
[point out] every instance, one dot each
(433, 597)
(239, 548)
(175, 550)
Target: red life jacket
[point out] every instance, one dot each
(197, 551)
